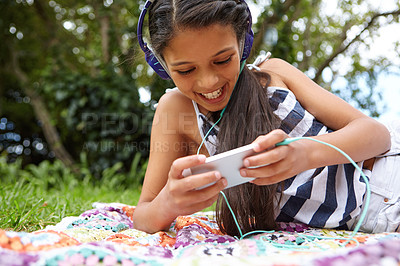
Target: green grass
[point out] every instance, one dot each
(37, 196)
(41, 195)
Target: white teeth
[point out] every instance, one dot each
(212, 95)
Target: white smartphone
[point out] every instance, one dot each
(227, 163)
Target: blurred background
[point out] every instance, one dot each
(74, 86)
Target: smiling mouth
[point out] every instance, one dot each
(213, 95)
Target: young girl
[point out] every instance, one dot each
(202, 46)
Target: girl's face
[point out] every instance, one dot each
(205, 64)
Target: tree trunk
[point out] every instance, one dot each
(49, 131)
(105, 38)
(42, 114)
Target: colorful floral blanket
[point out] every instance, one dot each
(105, 235)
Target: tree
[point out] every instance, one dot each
(73, 61)
(315, 41)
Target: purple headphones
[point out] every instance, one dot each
(158, 64)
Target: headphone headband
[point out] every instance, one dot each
(158, 64)
(151, 58)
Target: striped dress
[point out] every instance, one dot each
(329, 197)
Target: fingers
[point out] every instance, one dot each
(192, 193)
(210, 192)
(180, 164)
(267, 175)
(265, 181)
(198, 205)
(268, 141)
(266, 158)
(276, 165)
(187, 199)
(273, 163)
(201, 180)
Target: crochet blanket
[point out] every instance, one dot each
(105, 235)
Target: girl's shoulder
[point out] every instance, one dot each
(275, 65)
(177, 113)
(276, 68)
(173, 101)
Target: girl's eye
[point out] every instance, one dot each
(186, 72)
(224, 61)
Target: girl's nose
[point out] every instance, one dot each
(207, 79)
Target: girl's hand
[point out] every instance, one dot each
(276, 163)
(181, 196)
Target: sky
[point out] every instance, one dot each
(391, 96)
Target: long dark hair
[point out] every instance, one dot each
(248, 113)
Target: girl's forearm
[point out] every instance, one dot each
(361, 139)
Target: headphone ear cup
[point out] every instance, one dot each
(248, 43)
(151, 59)
(156, 66)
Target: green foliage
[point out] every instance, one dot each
(99, 115)
(43, 194)
(78, 56)
(337, 42)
